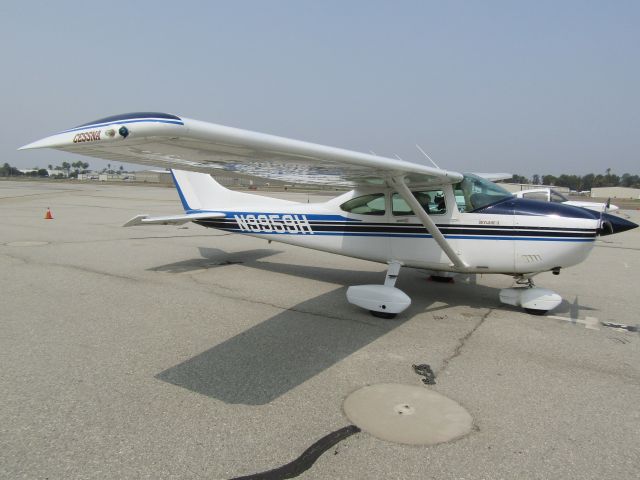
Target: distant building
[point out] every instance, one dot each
(152, 176)
(88, 176)
(616, 192)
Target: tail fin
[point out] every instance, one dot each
(199, 191)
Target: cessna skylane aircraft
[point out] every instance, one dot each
(399, 213)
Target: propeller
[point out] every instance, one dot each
(605, 225)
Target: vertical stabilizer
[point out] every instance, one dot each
(199, 191)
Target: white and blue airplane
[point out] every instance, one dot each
(399, 213)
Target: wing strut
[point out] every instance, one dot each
(401, 187)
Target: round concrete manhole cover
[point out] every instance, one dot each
(407, 414)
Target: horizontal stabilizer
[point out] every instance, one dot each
(171, 219)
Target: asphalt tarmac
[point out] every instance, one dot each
(167, 352)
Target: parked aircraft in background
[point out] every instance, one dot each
(551, 195)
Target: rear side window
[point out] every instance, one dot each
(431, 200)
(372, 204)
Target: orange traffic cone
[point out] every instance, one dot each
(48, 215)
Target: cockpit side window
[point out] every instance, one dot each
(475, 192)
(431, 200)
(372, 204)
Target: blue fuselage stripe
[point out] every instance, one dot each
(266, 223)
(414, 235)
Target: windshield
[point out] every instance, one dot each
(557, 197)
(475, 192)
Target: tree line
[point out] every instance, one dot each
(65, 170)
(69, 169)
(573, 182)
(584, 182)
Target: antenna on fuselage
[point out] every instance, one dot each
(428, 157)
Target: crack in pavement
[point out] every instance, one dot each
(74, 242)
(461, 343)
(31, 195)
(200, 284)
(98, 240)
(619, 248)
(29, 261)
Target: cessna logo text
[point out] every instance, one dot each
(274, 223)
(87, 136)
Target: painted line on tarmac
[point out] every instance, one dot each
(590, 323)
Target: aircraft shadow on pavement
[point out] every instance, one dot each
(282, 352)
(572, 308)
(214, 257)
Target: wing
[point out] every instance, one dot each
(160, 139)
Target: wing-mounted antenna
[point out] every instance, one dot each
(428, 157)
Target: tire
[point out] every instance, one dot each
(384, 315)
(534, 311)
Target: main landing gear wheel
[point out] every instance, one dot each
(533, 311)
(382, 301)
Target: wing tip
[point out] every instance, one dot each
(47, 142)
(28, 146)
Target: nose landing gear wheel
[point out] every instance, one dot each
(534, 300)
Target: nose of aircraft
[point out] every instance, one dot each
(613, 224)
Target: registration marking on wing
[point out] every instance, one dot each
(274, 223)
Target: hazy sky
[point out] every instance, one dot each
(523, 87)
